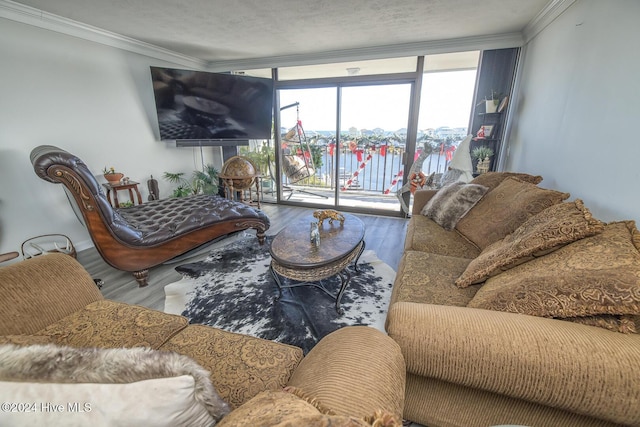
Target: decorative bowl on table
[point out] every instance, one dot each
(113, 177)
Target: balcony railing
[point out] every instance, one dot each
(364, 168)
(372, 168)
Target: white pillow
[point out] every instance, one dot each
(53, 385)
(158, 402)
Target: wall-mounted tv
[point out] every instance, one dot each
(210, 107)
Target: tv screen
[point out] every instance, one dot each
(198, 105)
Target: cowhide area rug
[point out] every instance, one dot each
(233, 289)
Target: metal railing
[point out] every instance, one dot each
(373, 168)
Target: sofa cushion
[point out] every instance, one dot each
(429, 279)
(493, 179)
(595, 275)
(423, 234)
(543, 233)
(114, 324)
(504, 209)
(452, 202)
(25, 339)
(241, 366)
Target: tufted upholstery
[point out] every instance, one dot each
(143, 236)
(162, 220)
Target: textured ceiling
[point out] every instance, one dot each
(219, 30)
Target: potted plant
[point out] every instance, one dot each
(483, 156)
(202, 182)
(492, 102)
(112, 176)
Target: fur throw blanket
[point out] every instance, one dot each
(61, 364)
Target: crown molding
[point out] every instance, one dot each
(31, 16)
(551, 11)
(496, 41)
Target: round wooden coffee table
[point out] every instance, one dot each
(294, 256)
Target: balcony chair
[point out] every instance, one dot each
(137, 238)
(297, 163)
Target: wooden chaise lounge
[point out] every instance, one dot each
(137, 238)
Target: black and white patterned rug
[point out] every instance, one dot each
(232, 289)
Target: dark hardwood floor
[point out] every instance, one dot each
(384, 235)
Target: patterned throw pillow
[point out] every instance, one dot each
(493, 179)
(590, 277)
(25, 339)
(504, 209)
(626, 324)
(452, 202)
(543, 233)
(283, 408)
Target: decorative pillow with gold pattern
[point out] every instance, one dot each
(543, 233)
(504, 209)
(287, 409)
(493, 179)
(25, 339)
(593, 276)
(625, 323)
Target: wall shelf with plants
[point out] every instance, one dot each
(482, 157)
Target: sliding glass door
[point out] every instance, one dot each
(373, 129)
(307, 145)
(343, 146)
(348, 134)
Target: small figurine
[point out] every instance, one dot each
(315, 234)
(330, 214)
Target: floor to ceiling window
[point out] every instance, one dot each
(374, 122)
(446, 105)
(307, 144)
(348, 135)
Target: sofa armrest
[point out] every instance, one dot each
(42, 290)
(578, 368)
(354, 371)
(420, 199)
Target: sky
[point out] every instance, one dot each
(445, 101)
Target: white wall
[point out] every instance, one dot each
(575, 116)
(578, 107)
(89, 99)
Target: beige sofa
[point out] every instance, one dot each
(474, 358)
(353, 374)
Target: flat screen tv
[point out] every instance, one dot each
(210, 107)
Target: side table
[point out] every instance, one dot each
(131, 186)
